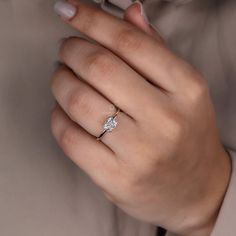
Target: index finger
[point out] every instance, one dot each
(142, 52)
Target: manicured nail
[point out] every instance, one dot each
(143, 14)
(65, 9)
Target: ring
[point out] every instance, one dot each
(109, 124)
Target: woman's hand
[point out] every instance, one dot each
(164, 162)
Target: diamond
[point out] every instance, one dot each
(110, 124)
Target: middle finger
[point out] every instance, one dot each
(111, 76)
(144, 53)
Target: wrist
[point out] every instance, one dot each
(203, 215)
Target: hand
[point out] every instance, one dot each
(164, 162)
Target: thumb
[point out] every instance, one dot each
(135, 14)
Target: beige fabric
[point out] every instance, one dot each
(41, 191)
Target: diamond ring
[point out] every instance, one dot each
(109, 124)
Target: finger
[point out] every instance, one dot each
(92, 156)
(90, 110)
(109, 75)
(135, 14)
(82, 103)
(143, 52)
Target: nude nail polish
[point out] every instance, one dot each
(65, 9)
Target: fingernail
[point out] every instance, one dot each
(142, 11)
(65, 9)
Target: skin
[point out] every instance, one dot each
(164, 162)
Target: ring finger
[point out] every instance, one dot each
(86, 106)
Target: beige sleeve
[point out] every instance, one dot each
(226, 221)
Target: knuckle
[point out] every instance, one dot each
(198, 89)
(100, 63)
(201, 87)
(176, 127)
(171, 128)
(60, 72)
(67, 46)
(128, 39)
(68, 139)
(78, 104)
